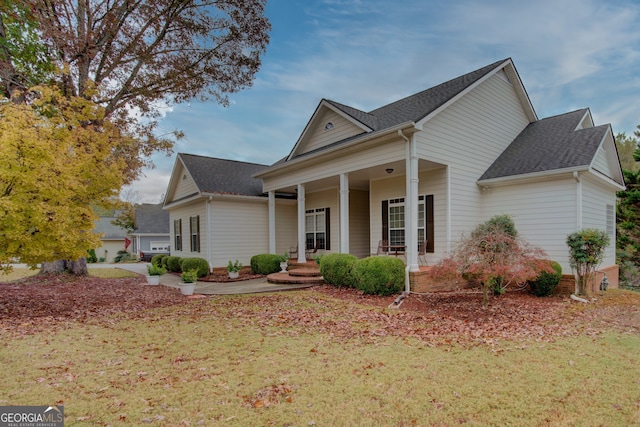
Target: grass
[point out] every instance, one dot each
(208, 363)
(21, 273)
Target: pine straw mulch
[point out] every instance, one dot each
(41, 303)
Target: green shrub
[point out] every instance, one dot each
(502, 223)
(265, 263)
(164, 261)
(123, 256)
(199, 264)
(336, 269)
(546, 282)
(91, 256)
(156, 260)
(173, 264)
(379, 275)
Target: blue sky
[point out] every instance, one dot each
(570, 54)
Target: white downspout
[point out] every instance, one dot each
(411, 208)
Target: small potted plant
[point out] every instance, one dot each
(233, 268)
(188, 284)
(283, 262)
(153, 278)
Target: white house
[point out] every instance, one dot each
(430, 166)
(218, 211)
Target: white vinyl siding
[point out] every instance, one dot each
(544, 213)
(595, 198)
(327, 199)
(184, 186)
(319, 137)
(240, 230)
(601, 163)
(359, 223)
(286, 226)
(184, 213)
(468, 136)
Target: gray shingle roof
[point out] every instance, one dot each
(151, 219)
(549, 144)
(213, 175)
(417, 106)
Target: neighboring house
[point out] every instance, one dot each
(430, 166)
(151, 233)
(113, 237)
(218, 211)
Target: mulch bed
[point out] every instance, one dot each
(43, 302)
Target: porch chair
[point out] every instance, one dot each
(310, 251)
(422, 253)
(293, 252)
(383, 247)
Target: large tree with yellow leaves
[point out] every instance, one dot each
(107, 60)
(57, 161)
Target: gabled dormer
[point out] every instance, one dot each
(331, 122)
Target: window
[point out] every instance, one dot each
(194, 232)
(317, 228)
(159, 246)
(396, 222)
(177, 233)
(393, 221)
(611, 229)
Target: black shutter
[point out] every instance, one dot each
(385, 220)
(180, 234)
(191, 242)
(327, 229)
(198, 233)
(428, 212)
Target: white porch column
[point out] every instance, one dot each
(344, 213)
(272, 222)
(301, 225)
(411, 206)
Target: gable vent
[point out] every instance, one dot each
(328, 126)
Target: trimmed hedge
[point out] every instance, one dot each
(545, 283)
(379, 275)
(173, 263)
(265, 263)
(156, 260)
(336, 269)
(199, 264)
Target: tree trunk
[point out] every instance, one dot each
(77, 268)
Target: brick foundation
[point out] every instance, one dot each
(567, 284)
(421, 282)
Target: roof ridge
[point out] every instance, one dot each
(222, 159)
(482, 71)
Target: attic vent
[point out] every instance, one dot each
(328, 126)
(184, 177)
(503, 75)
